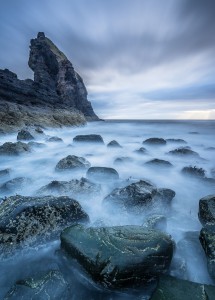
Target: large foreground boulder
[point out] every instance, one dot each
(88, 138)
(73, 188)
(13, 149)
(119, 256)
(26, 218)
(137, 196)
(171, 288)
(72, 162)
(102, 174)
(51, 285)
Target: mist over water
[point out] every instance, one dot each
(182, 216)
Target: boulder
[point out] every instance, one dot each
(24, 135)
(39, 130)
(14, 185)
(138, 196)
(54, 139)
(5, 173)
(207, 239)
(14, 149)
(194, 172)
(36, 145)
(102, 174)
(184, 151)
(158, 163)
(176, 141)
(72, 162)
(27, 219)
(51, 285)
(89, 138)
(141, 151)
(119, 256)
(73, 188)
(123, 160)
(114, 144)
(207, 210)
(171, 288)
(155, 142)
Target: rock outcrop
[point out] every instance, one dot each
(57, 95)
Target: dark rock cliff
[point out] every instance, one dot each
(57, 95)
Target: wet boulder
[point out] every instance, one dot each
(184, 151)
(30, 219)
(14, 149)
(114, 144)
(102, 174)
(158, 163)
(176, 141)
(89, 138)
(5, 173)
(193, 172)
(14, 185)
(55, 139)
(72, 162)
(207, 210)
(170, 288)
(51, 285)
(155, 142)
(207, 239)
(136, 197)
(36, 145)
(39, 130)
(123, 160)
(24, 135)
(141, 151)
(73, 188)
(119, 256)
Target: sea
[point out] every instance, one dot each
(182, 221)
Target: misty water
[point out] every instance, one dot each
(182, 217)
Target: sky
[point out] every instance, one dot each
(139, 59)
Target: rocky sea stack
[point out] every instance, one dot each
(57, 96)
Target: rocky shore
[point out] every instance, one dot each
(56, 97)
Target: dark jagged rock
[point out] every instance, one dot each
(14, 185)
(207, 210)
(194, 172)
(57, 96)
(155, 142)
(184, 151)
(24, 219)
(170, 288)
(74, 188)
(102, 174)
(51, 285)
(88, 138)
(207, 239)
(137, 196)
(72, 162)
(13, 149)
(119, 256)
(114, 144)
(24, 135)
(158, 163)
(55, 139)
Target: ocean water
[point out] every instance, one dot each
(182, 217)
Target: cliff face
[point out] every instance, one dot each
(56, 88)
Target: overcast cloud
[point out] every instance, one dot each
(139, 58)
